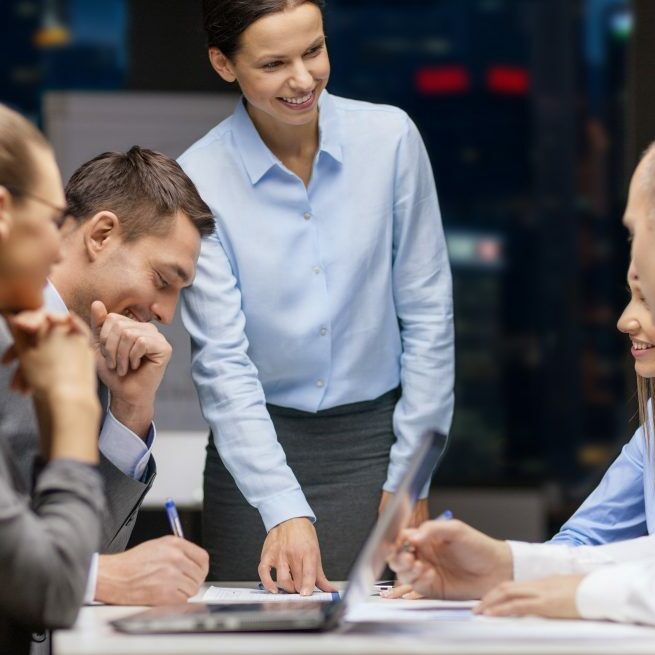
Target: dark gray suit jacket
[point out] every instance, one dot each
(18, 425)
(46, 546)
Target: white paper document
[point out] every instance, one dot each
(404, 611)
(244, 595)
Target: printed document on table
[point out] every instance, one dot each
(242, 595)
(402, 611)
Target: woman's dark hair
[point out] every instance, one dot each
(226, 20)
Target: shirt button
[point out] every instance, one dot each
(323, 331)
(317, 269)
(320, 384)
(307, 216)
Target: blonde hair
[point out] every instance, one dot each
(17, 164)
(645, 394)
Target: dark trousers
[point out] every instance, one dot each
(340, 457)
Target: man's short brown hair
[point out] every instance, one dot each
(144, 188)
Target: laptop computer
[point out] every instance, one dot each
(304, 615)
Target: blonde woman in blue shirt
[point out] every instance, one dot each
(321, 316)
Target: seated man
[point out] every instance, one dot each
(129, 246)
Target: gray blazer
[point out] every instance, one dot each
(18, 425)
(46, 546)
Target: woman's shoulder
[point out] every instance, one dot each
(361, 112)
(211, 144)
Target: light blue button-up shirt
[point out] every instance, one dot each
(319, 296)
(623, 504)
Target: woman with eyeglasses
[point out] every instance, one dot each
(321, 315)
(46, 543)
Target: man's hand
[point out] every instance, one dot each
(162, 571)
(552, 597)
(132, 359)
(291, 548)
(420, 514)
(449, 559)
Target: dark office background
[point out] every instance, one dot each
(533, 112)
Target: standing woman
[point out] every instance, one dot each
(46, 544)
(321, 316)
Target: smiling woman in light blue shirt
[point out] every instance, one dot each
(623, 505)
(325, 293)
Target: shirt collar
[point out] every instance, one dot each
(52, 301)
(329, 128)
(256, 156)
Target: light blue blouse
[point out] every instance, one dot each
(319, 296)
(622, 506)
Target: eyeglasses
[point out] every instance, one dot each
(62, 213)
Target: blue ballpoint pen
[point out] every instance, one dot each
(173, 518)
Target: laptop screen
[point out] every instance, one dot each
(372, 558)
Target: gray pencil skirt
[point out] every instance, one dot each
(340, 457)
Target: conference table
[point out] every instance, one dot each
(428, 631)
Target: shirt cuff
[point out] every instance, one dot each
(622, 592)
(280, 508)
(125, 449)
(533, 561)
(600, 594)
(395, 476)
(90, 593)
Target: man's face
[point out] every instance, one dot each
(639, 218)
(142, 279)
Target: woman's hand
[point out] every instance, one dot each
(449, 559)
(403, 591)
(56, 363)
(42, 343)
(552, 597)
(420, 513)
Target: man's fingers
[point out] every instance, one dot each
(98, 316)
(109, 348)
(138, 352)
(197, 555)
(126, 342)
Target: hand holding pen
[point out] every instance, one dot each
(449, 559)
(173, 518)
(405, 591)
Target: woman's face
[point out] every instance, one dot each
(636, 322)
(282, 66)
(30, 242)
